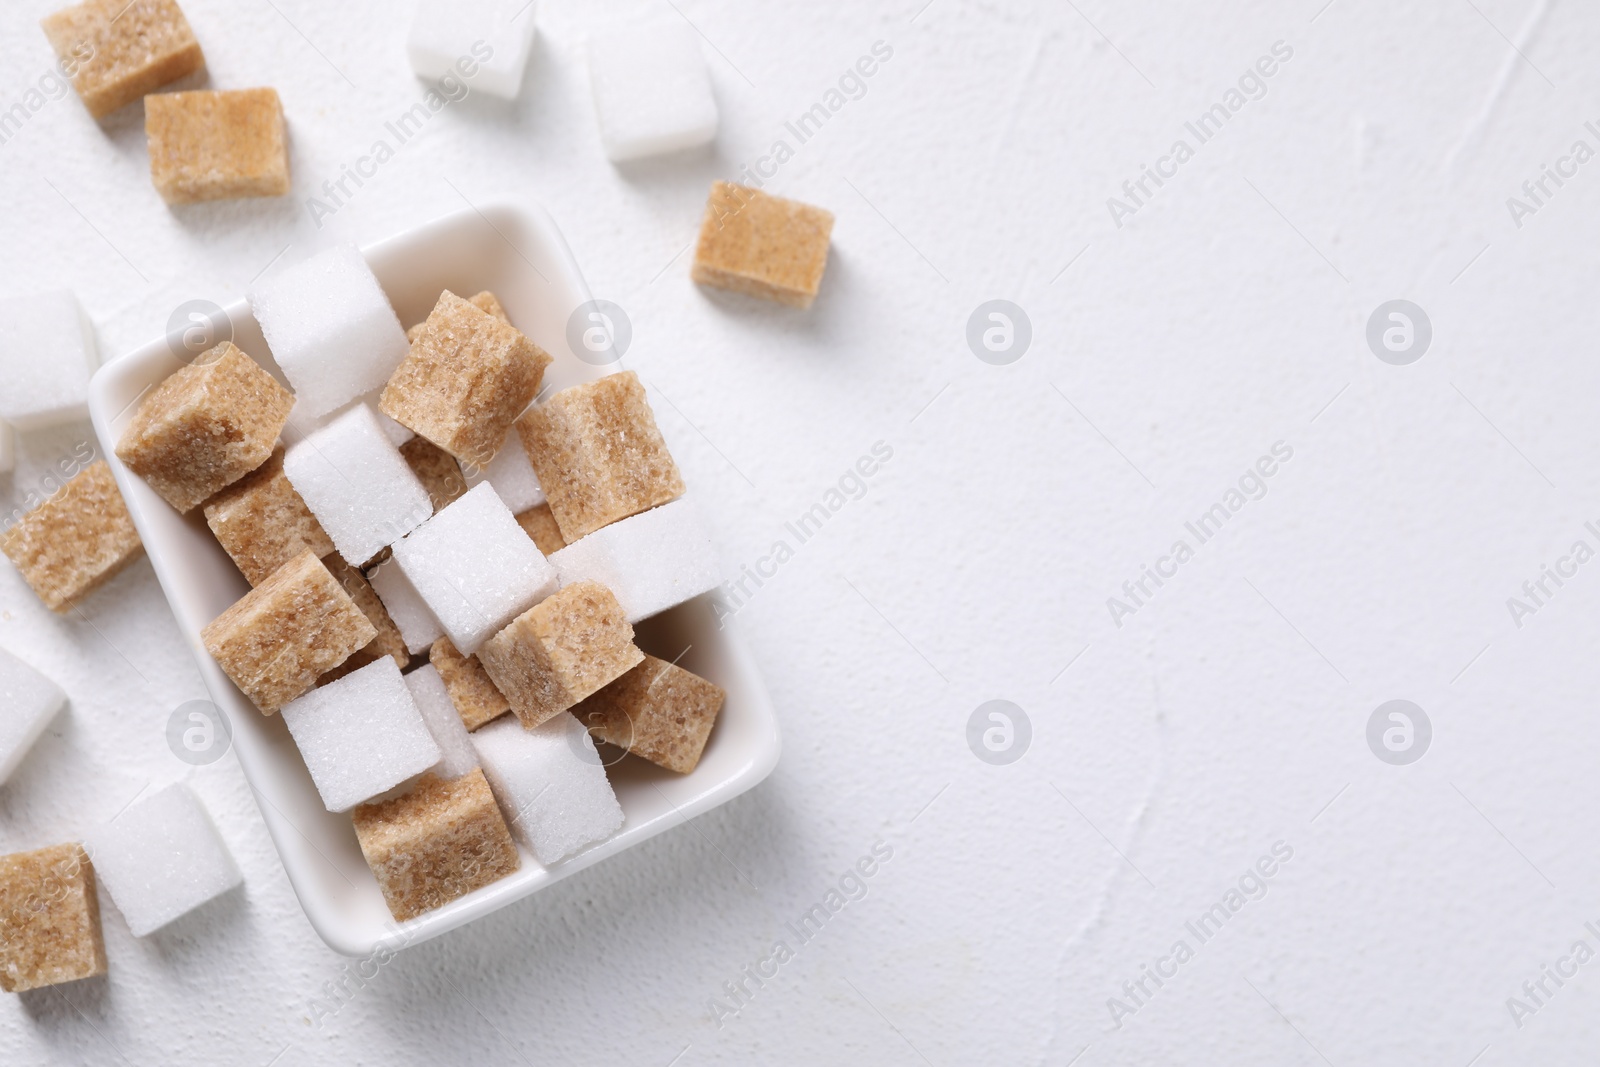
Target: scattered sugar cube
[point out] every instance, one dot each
(467, 378)
(47, 355)
(550, 784)
(652, 561)
(28, 701)
(361, 735)
(8, 448)
(49, 919)
(262, 523)
(287, 632)
(651, 90)
(597, 452)
(205, 427)
(331, 329)
(217, 145)
(472, 692)
(511, 474)
(437, 843)
(541, 525)
(658, 711)
(119, 50)
(475, 567)
(763, 245)
(448, 731)
(484, 44)
(437, 469)
(357, 485)
(389, 641)
(162, 858)
(406, 607)
(76, 541)
(560, 651)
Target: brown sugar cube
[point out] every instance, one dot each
(436, 469)
(560, 650)
(387, 643)
(217, 145)
(762, 245)
(116, 51)
(263, 523)
(286, 633)
(541, 525)
(485, 302)
(435, 844)
(599, 455)
(476, 699)
(205, 427)
(658, 710)
(76, 541)
(49, 919)
(467, 378)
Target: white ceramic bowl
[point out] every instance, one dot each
(518, 253)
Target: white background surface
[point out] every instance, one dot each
(1225, 716)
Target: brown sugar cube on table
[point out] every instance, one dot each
(76, 541)
(541, 525)
(476, 699)
(435, 844)
(599, 455)
(437, 470)
(286, 633)
(763, 245)
(658, 711)
(116, 51)
(49, 919)
(560, 650)
(217, 145)
(387, 643)
(205, 427)
(263, 523)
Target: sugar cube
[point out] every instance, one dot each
(448, 731)
(598, 454)
(511, 474)
(475, 567)
(437, 469)
(406, 607)
(485, 302)
(651, 90)
(8, 447)
(361, 735)
(357, 485)
(658, 711)
(116, 51)
(75, 541)
(49, 919)
(483, 43)
(389, 641)
(467, 378)
(437, 843)
(287, 632)
(262, 523)
(47, 355)
(162, 858)
(28, 701)
(217, 145)
(763, 245)
(331, 329)
(474, 695)
(538, 523)
(652, 561)
(550, 783)
(560, 651)
(205, 427)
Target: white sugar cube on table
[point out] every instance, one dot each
(418, 627)
(47, 355)
(160, 859)
(550, 783)
(331, 329)
(482, 44)
(357, 484)
(652, 94)
(361, 735)
(28, 701)
(475, 567)
(511, 473)
(652, 561)
(444, 722)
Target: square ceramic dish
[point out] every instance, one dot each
(518, 253)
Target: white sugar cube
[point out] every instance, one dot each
(418, 628)
(28, 701)
(160, 859)
(357, 484)
(8, 448)
(47, 355)
(331, 329)
(361, 735)
(475, 567)
(550, 784)
(481, 44)
(651, 90)
(444, 722)
(511, 474)
(652, 561)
